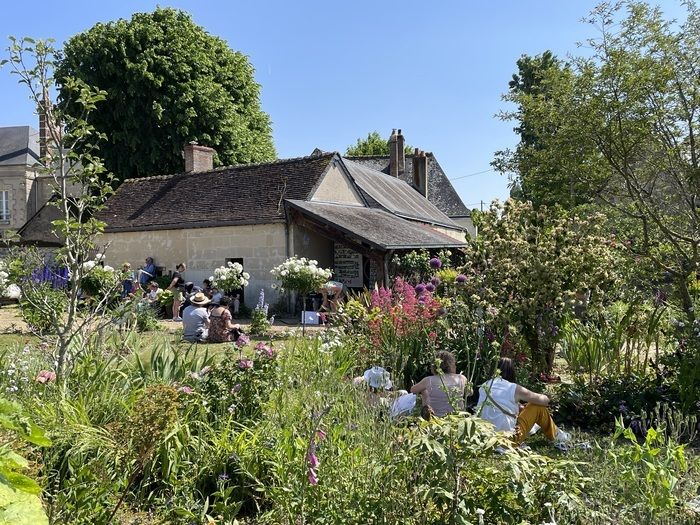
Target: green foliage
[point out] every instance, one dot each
(374, 144)
(38, 306)
(526, 267)
(19, 501)
(595, 405)
(617, 127)
(652, 468)
(239, 388)
(167, 82)
(414, 266)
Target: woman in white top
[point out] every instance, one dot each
(443, 392)
(499, 403)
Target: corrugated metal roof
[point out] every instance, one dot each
(397, 196)
(376, 227)
(440, 190)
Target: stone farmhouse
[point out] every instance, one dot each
(339, 211)
(23, 189)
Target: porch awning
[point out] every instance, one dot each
(375, 227)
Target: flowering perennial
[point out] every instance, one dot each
(230, 277)
(300, 275)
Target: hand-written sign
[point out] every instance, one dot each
(348, 266)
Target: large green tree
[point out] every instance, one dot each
(374, 144)
(168, 82)
(626, 118)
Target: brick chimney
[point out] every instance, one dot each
(198, 158)
(44, 136)
(420, 172)
(397, 158)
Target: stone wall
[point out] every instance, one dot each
(18, 181)
(261, 246)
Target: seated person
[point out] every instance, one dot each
(332, 293)
(499, 403)
(216, 295)
(221, 329)
(443, 392)
(206, 288)
(195, 319)
(153, 293)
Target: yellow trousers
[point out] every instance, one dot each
(527, 418)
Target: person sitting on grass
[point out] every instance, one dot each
(195, 319)
(221, 329)
(442, 392)
(499, 403)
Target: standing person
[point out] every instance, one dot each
(195, 319)
(499, 403)
(444, 391)
(177, 286)
(332, 294)
(147, 273)
(127, 280)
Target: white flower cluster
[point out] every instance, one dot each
(89, 265)
(8, 289)
(230, 277)
(300, 274)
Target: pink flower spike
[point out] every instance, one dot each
(313, 477)
(313, 460)
(320, 435)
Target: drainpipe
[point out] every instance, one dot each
(387, 258)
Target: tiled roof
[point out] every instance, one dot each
(395, 195)
(440, 190)
(247, 194)
(19, 146)
(375, 227)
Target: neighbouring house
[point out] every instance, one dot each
(342, 213)
(25, 187)
(21, 193)
(422, 171)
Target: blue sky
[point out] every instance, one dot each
(333, 71)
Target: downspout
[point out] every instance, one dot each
(387, 258)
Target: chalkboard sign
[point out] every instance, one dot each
(348, 266)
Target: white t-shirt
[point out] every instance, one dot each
(194, 321)
(503, 393)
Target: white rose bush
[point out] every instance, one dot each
(300, 275)
(230, 277)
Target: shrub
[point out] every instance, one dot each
(37, 316)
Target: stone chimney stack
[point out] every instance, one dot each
(420, 172)
(397, 158)
(198, 158)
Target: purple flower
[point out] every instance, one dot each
(313, 477)
(224, 477)
(461, 278)
(242, 340)
(435, 263)
(420, 288)
(313, 460)
(430, 287)
(236, 388)
(320, 435)
(186, 389)
(245, 364)
(435, 281)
